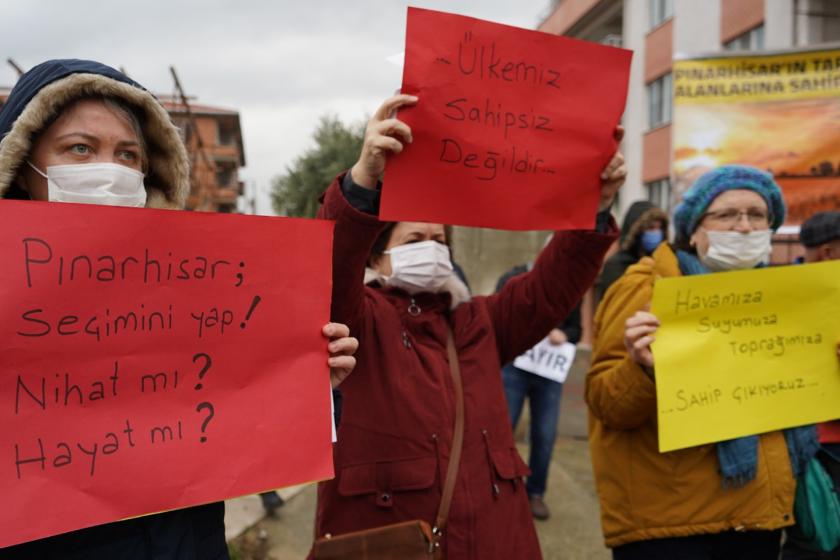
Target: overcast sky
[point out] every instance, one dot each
(281, 64)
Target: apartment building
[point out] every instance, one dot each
(657, 31)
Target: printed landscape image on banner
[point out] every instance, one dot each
(779, 112)
(154, 360)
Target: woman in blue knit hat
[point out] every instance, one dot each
(725, 500)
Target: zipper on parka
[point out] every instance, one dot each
(413, 310)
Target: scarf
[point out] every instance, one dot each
(738, 457)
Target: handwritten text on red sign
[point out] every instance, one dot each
(153, 360)
(512, 129)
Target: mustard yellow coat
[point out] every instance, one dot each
(645, 494)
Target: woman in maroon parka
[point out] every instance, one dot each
(398, 406)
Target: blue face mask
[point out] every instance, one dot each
(651, 240)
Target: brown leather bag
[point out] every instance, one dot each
(409, 540)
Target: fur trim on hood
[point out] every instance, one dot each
(453, 286)
(168, 177)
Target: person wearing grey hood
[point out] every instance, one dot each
(645, 227)
(820, 235)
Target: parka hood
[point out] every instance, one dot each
(46, 89)
(637, 217)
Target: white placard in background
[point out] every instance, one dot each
(548, 360)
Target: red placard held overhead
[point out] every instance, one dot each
(512, 129)
(152, 360)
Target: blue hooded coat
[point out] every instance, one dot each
(196, 533)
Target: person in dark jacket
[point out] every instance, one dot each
(820, 235)
(121, 149)
(395, 439)
(645, 227)
(543, 396)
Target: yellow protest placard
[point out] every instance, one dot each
(748, 352)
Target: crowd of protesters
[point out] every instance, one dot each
(430, 397)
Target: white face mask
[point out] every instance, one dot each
(109, 184)
(732, 250)
(419, 267)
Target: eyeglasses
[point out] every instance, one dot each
(731, 216)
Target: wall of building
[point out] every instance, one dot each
(739, 16)
(696, 26)
(778, 24)
(486, 254)
(635, 122)
(572, 11)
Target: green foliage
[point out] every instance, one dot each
(337, 148)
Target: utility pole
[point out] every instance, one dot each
(20, 71)
(192, 123)
(252, 200)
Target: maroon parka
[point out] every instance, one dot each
(398, 404)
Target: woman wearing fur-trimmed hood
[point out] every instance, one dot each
(80, 131)
(67, 112)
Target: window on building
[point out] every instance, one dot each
(829, 13)
(225, 134)
(752, 40)
(224, 174)
(817, 21)
(660, 97)
(659, 193)
(659, 11)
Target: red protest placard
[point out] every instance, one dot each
(152, 360)
(512, 129)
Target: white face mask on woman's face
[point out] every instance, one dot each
(419, 267)
(109, 184)
(732, 250)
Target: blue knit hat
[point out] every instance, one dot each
(700, 195)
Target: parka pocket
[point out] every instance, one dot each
(386, 479)
(506, 466)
